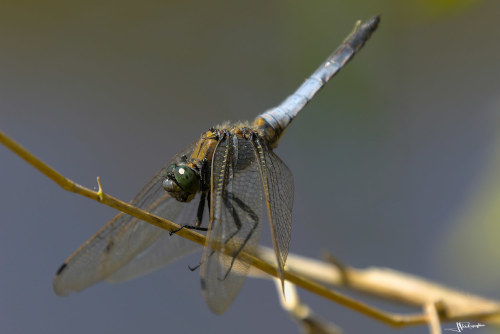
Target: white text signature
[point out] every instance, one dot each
(464, 325)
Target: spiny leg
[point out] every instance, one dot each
(199, 216)
(236, 218)
(201, 208)
(238, 224)
(201, 262)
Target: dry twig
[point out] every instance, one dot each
(306, 273)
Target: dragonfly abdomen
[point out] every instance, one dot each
(272, 124)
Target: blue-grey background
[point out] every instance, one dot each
(396, 161)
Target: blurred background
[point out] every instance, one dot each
(396, 161)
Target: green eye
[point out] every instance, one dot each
(170, 169)
(186, 178)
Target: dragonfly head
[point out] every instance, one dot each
(181, 182)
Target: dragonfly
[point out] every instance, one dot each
(222, 184)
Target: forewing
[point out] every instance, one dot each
(164, 250)
(113, 251)
(277, 181)
(235, 215)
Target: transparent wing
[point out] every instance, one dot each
(277, 181)
(166, 249)
(113, 252)
(235, 215)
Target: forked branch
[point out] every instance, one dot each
(363, 281)
(438, 302)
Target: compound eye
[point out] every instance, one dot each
(170, 169)
(187, 179)
(170, 186)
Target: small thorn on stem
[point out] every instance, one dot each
(99, 192)
(339, 265)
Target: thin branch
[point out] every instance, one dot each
(432, 312)
(396, 320)
(393, 285)
(309, 322)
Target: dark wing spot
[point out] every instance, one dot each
(110, 245)
(61, 268)
(203, 284)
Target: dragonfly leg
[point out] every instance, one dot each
(201, 208)
(201, 262)
(199, 217)
(195, 267)
(236, 218)
(238, 224)
(190, 227)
